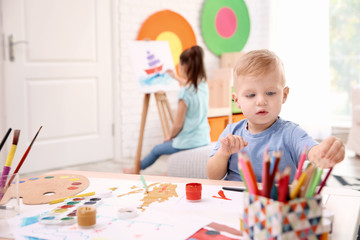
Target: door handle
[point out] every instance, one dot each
(11, 47)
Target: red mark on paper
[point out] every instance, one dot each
(221, 195)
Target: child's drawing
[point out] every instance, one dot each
(150, 60)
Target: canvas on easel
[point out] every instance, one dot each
(150, 60)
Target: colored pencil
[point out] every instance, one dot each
(301, 163)
(5, 138)
(284, 184)
(23, 158)
(144, 183)
(242, 176)
(266, 175)
(252, 174)
(250, 184)
(324, 181)
(274, 189)
(8, 162)
(309, 174)
(314, 182)
(278, 155)
(265, 156)
(296, 188)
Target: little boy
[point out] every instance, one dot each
(260, 91)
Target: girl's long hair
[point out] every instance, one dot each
(193, 59)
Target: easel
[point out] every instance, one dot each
(164, 111)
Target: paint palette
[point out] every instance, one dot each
(43, 189)
(65, 214)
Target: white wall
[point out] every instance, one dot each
(302, 42)
(2, 104)
(131, 14)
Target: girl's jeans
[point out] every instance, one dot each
(160, 149)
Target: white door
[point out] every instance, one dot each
(59, 78)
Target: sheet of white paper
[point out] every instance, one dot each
(163, 219)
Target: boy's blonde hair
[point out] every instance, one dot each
(258, 63)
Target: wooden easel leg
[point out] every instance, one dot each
(141, 134)
(163, 102)
(167, 104)
(162, 115)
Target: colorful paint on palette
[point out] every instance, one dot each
(65, 214)
(36, 189)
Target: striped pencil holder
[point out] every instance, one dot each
(299, 218)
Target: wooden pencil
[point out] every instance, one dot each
(265, 176)
(250, 184)
(301, 163)
(274, 189)
(314, 182)
(324, 181)
(252, 174)
(274, 171)
(284, 184)
(242, 175)
(309, 173)
(296, 188)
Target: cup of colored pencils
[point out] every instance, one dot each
(280, 210)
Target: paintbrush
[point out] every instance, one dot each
(144, 183)
(8, 162)
(5, 138)
(23, 158)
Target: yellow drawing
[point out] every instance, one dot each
(158, 192)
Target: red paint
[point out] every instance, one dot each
(78, 199)
(72, 188)
(221, 195)
(193, 191)
(163, 188)
(66, 206)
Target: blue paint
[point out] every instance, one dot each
(32, 238)
(29, 220)
(48, 218)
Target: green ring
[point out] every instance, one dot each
(212, 39)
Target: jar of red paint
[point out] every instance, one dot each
(193, 191)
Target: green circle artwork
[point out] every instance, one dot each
(225, 25)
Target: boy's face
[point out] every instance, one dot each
(260, 98)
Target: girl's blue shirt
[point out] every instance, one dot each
(196, 130)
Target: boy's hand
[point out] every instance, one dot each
(328, 153)
(232, 144)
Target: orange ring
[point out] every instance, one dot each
(168, 21)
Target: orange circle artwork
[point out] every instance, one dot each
(172, 27)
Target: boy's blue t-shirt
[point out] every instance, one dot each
(196, 130)
(283, 135)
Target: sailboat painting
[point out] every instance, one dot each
(150, 60)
